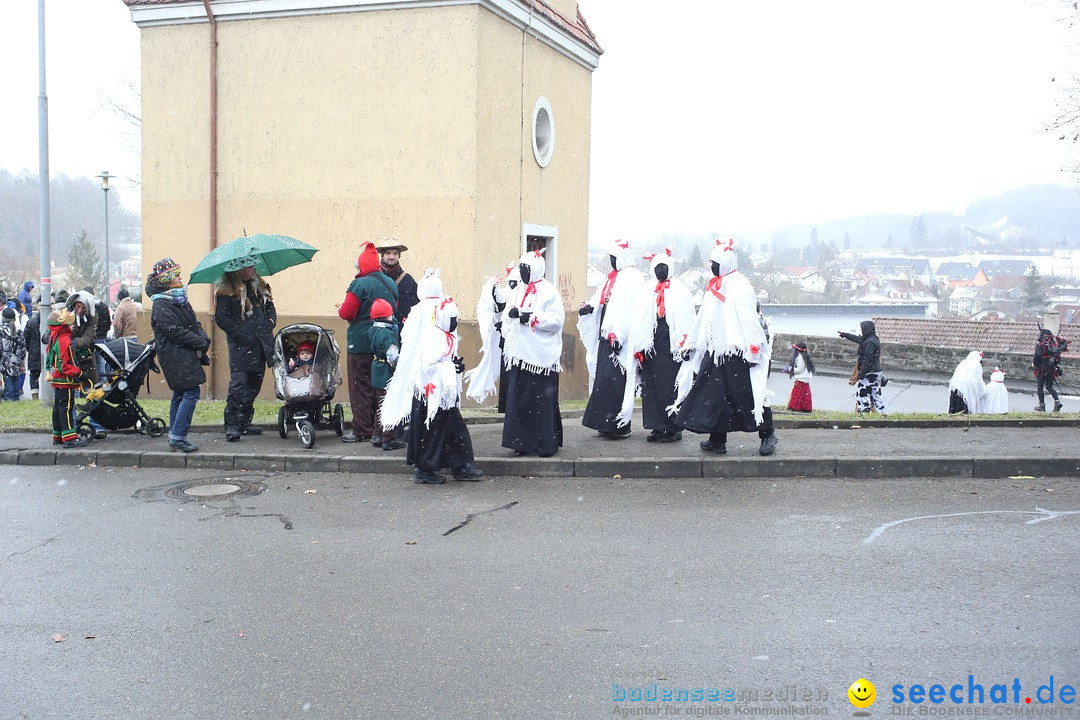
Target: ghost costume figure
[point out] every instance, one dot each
(481, 380)
(656, 340)
(604, 323)
(721, 384)
(532, 326)
(439, 437)
(995, 394)
(966, 386)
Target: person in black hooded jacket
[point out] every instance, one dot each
(868, 388)
(181, 348)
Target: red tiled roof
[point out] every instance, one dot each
(996, 335)
(577, 28)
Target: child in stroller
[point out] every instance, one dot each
(114, 401)
(306, 375)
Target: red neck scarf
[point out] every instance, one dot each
(606, 292)
(661, 309)
(715, 283)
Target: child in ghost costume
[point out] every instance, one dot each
(721, 384)
(656, 340)
(604, 323)
(532, 326)
(966, 386)
(995, 394)
(438, 437)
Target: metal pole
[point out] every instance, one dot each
(45, 389)
(108, 281)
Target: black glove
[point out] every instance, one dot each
(616, 346)
(585, 310)
(459, 364)
(524, 317)
(498, 326)
(513, 312)
(687, 354)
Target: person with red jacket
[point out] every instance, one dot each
(63, 373)
(369, 285)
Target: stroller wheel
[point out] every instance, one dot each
(155, 427)
(85, 431)
(282, 422)
(339, 420)
(307, 433)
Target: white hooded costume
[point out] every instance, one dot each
(493, 298)
(532, 352)
(661, 326)
(967, 383)
(726, 327)
(612, 373)
(996, 395)
(397, 404)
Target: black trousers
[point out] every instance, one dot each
(1046, 385)
(244, 387)
(63, 414)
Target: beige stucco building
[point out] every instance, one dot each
(460, 127)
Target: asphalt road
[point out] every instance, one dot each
(337, 596)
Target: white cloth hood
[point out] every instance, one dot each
(624, 256)
(967, 380)
(723, 254)
(430, 285)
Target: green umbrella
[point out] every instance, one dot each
(272, 253)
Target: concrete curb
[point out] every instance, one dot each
(708, 467)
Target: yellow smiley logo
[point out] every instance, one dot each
(862, 693)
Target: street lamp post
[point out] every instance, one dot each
(105, 176)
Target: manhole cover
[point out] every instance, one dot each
(203, 490)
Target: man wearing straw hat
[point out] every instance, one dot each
(390, 264)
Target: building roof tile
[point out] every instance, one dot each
(996, 335)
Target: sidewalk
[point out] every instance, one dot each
(862, 449)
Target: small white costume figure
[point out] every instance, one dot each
(721, 384)
(604, 323)
(532, 353)
(966, 386)
(489, 309)
(656, 340)
(996, 395)
(438, 436)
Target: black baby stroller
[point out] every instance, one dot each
(307, 390)
(114, 401)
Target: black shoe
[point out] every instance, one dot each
(377, 441)
(1040, 408)
(182, 446)
(77, 443)
(1057, 407)
(468, 472)
(715, 449)
(233, 436)
(349, 438)
(392, 444)
(101, 434)
(670, 437)
(653, 436)
(426, 477)
(251, 430)
(621, 433)
(768, 445)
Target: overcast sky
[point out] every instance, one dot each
(709, 116)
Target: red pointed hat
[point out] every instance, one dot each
(368, 262)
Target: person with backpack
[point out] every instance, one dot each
(1046, 365)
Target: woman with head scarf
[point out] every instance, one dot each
(966, 386)
(532, 325)
(656, 341)
(181, 348)
(721, 384)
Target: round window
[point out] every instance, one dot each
(543, 132)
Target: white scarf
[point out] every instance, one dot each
(967, 380)
(537, 346)
(619, 298)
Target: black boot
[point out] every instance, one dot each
(426, 477)
(716, 444)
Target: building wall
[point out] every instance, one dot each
(341, 128)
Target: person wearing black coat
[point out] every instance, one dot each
(181, 348)
(32, 332)
(868, 388)
(244, 310)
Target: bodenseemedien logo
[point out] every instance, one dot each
(862, 695)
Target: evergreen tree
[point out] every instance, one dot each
(84, 264)
(920, 236)
(1033, 296)
(696, 261)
